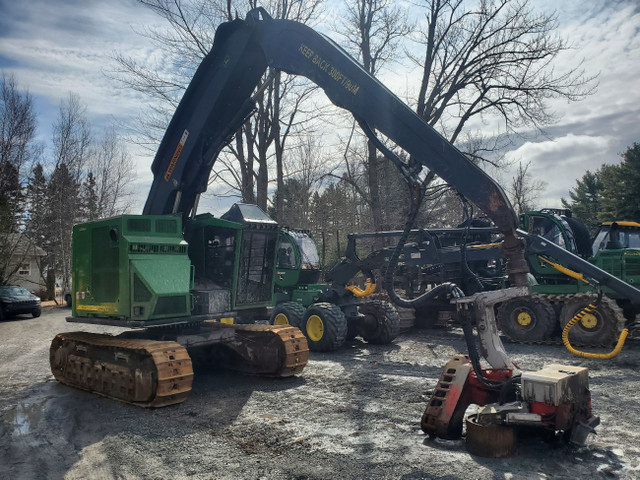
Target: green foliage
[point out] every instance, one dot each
(621, 196)
(586, 200)
(610, 193)
(89, 198)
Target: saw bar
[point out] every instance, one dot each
(146, 373)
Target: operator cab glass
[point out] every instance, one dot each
(285, 258)
(616, 236)
(297, 252)
(546, 227)
(308, 251)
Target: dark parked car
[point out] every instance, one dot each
(15, 300)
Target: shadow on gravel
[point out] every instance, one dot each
(45, 428)
(542, 458)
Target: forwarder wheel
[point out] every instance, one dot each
(325, 327)
(527, 320)
(596, 328)
(381, 323)
(287, 313)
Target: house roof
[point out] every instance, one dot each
(20, 244)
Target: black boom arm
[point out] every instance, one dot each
(218, 101)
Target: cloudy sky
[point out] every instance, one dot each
(54, 47)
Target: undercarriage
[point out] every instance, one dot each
(153, 367)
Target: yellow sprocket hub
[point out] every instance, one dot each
(589, 321)
(281, 319)
(524, 319)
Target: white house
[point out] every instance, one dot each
(24, 261)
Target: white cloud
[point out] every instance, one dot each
(62, 46)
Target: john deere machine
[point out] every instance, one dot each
(470, 257)
(327, 313)
(165, 272)
(558, 294)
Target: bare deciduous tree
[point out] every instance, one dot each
(71, 149)
(524, 190)
(112, 167)
(17, 146)
(493, 58)
(188, 39)
(373, 29)
(72, 136)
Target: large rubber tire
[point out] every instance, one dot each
(527, 319)
(325, 327)
(287, 313)
(36, 313)
(597, 328)
(381, 323)
(67, 300)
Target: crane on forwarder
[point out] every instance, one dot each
(470, 257)
(139, 269)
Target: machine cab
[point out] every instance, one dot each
(617, 236)
(297, 260)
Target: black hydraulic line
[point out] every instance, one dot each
(510, 389)
(463, 247)
(442, 289)
(474, 356)
(400, 165)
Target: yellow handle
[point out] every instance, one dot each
(358, 292)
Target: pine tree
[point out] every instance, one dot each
(586, 200)
(89, 198)
(628, 190)
(38, 220)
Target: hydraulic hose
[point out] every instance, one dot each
(442, 289)
(463, 246)
(577, 317)
(474, 356)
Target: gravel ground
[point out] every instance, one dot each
(351, 414)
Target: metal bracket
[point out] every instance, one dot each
(483, 304)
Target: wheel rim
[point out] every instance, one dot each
(589, 321)
(524, 319)
(315, 328)
(281, 319)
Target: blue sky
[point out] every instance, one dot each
(57, 46)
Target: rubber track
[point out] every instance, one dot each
(554, 300)
(294, 346)
(145, 373)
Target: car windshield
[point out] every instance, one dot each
(14, 291)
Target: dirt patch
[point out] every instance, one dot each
(352, 414)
